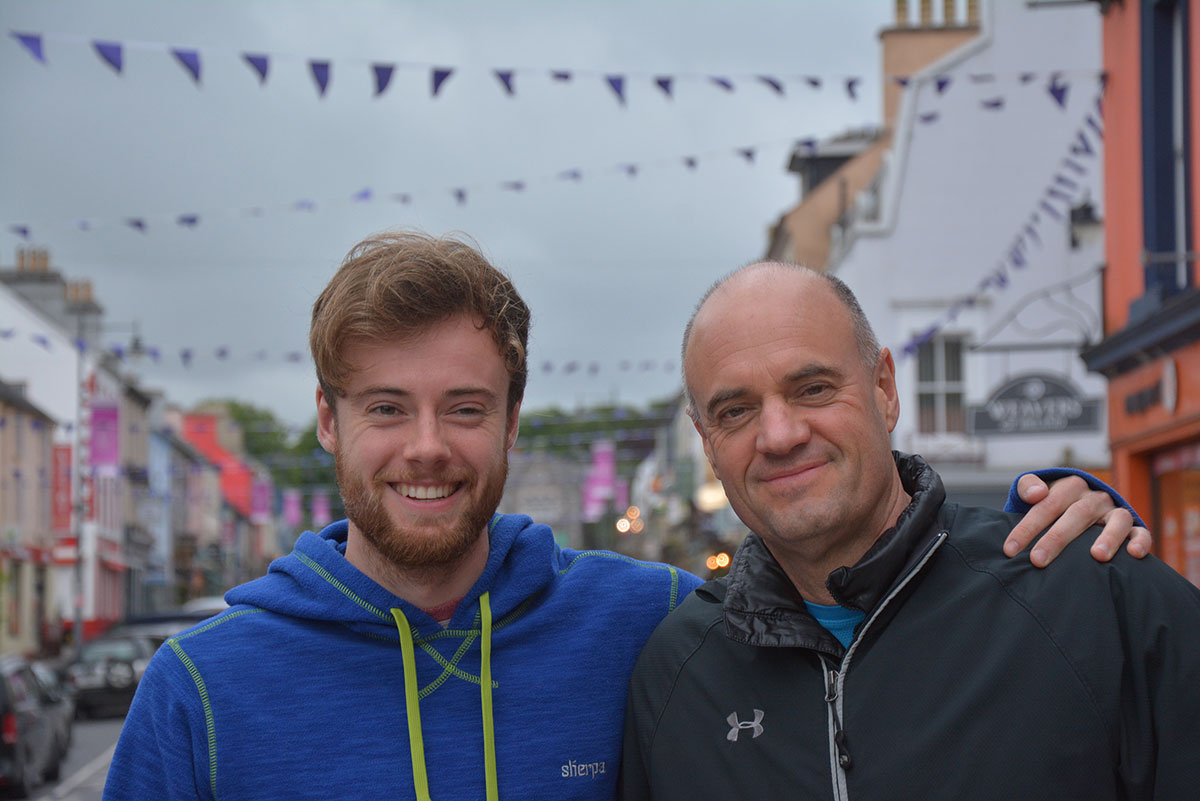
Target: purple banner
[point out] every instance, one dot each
(320, 509)
(105, 442)
(260, 501)
(293, 514)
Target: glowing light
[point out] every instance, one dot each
(722, 559)
(633, 513)
(711, 563)
(623, 525)
(636, 526)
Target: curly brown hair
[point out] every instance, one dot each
(398, 283)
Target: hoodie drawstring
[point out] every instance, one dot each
(416, 743)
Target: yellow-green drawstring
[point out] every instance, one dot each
(416, 744)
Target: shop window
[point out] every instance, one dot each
(941, 395)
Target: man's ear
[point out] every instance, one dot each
(708, 454)
(514, 425)
(326, 422)
(886, 395)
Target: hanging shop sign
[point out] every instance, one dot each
(1036, 403)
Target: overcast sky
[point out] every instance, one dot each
(610, 264)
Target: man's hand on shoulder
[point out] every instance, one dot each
(1067, 507)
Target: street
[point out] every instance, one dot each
(86, 765)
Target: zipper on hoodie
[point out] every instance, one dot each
(835, 683)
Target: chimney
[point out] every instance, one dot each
(908, 48)
(20, 259)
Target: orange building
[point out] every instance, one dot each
(1151, 349)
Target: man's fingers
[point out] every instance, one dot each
(1031, 489)
(1117, 525)
(1140, 542)
(1077, 518)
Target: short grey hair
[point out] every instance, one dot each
(864, 335)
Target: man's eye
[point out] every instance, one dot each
(731, 414)
(814, 390)
(469, 411)
(385, 410)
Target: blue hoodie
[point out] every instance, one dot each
(299, 689)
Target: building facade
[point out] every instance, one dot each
(976, 247)
(1151, 349)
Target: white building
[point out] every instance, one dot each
(976, 250)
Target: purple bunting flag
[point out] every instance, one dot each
(506, 78)
(513, 186)
(617, 84)
(808, 144)
(1053, 212)
(137, 224)
(689, 162)
(630, 169)
(942, 84)
(383, 76)
(1094, 124)
(664, 82)
(570, 367)
(1063, 180)
(571, 175)
(747, 153)
(852, 88)
(1054, 192)
(118, 352)
(188, 220)
(460, 196)
(260, 355)
(593, 368)
(993, 104)
(154, 353)
(547, 367)
(259, 63)
(189, 60)
(1032, 233)
(625, 365)
(222, 353)
(1074, 166)
(362, 195)
(722, 82)
(1082, 147)
(1026, 77)
(20, 230)
(110, 53)
(304, 204)
(31, 42)
(402, 198)
(320, 74)
(813, 81)
(775, 84)
(981, 77)
(1017, 256)
(40, 339)
(439, 76)
(900, 80)
(928, 117)
(294, 356)
(185, 356)
(7, 333)
(83, 225)
(562, 76)
(1058, 90)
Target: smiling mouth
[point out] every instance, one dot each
(420, 492)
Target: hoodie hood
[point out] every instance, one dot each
(316, 582)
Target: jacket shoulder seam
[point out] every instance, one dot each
(1043, 627)
(209, 723)
(673, 598)
(328, 577)
(662, 710)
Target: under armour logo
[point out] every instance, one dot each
(737, 725)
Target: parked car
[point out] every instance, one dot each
(31, 748)
(62, 705)
(106, 674)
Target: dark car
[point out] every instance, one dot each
(106, 674)
(31, 749)
(62, 707)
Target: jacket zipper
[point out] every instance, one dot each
(835, 682)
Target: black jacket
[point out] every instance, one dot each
(973, 676)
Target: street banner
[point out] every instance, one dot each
(106, 435)
(60, 487)
(293, 514)
(320, 509)
(260, 501)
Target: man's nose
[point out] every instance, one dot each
(782, 427)
(428, 442)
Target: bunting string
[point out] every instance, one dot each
(1054, 203)
(383, 73)
(1056, 88)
